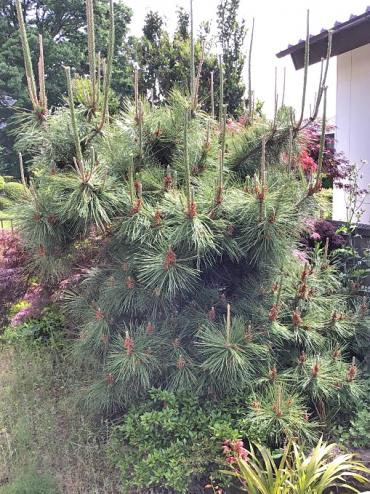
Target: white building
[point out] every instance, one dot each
(351, 46)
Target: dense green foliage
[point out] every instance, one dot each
(10, 192)
(172, 241)
(356, 434)
(172, 441)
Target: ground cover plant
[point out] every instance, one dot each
(172, 244)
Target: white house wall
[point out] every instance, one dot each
(353, 120)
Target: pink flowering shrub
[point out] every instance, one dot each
(21, 298)
(35, 299)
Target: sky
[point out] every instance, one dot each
(277, 24)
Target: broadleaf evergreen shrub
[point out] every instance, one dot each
(173, 441)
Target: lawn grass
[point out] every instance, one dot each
(47, 444)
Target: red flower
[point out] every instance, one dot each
(226, 449)
(307, 163)
(234, 450)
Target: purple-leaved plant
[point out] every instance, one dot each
(13, 279)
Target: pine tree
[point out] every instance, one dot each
(196, 285)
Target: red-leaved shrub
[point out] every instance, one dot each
(13, 279)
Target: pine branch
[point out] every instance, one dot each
(221, 96)
(250, 104)
(31, 84)
(41, 69)
(91, 50)
(212, 96)
(109, 66)
(80, 166)
(186, 161)
(21, 169)
(322, 144)
(192, 57)
(305, 74)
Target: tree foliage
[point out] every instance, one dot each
(231, 36)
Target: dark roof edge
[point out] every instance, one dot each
(352, 22)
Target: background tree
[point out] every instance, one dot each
(164, 60)
(231, 35)
(63, 26)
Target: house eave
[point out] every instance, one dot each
(347, 36)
